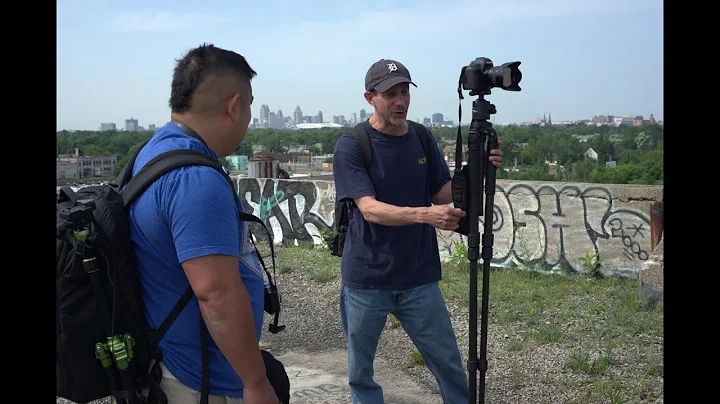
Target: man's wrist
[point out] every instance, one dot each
(256, 381)
(421, 214)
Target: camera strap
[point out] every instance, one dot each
(189, 131)
(459, 181)
(458, 142)
(274, 328)
(274, 295)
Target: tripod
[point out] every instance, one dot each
(479, 77)
(467, 195)
(480, 131)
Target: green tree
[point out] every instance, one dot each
(638, 150)
(644, 142)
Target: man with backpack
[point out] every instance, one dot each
(186, 231)
(398, 187)
(160, 291)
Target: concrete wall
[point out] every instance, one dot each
(548, 226)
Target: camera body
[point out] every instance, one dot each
(481, 75)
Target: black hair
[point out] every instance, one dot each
(199, 63)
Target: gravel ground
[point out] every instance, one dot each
(535, 374)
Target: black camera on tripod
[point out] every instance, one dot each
(481, 75)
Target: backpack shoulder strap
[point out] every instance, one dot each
(153, 170)
(169, 161)
(126, 172)
(162, 164)
(363, 140)
(421, 131)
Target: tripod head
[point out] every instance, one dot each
(76, 218)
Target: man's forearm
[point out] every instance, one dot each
(229, 318)
(391, 215)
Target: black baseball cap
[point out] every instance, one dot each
(384, 74)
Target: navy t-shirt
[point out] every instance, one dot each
(381, 256)
(187, 213)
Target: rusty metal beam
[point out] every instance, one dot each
(656, 224)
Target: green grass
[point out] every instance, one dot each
(591, 319)
(417, 358)
(557, 308)
(316, 262)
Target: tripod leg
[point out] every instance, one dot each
(487, 243)
(474, 183)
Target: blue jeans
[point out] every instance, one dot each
(424, 317)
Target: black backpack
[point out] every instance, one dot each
(104, 343)
(344, 208)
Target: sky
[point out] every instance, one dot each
(579, 58)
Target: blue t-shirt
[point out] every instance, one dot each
(187, 213)
(376, 255)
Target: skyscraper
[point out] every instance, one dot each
(297, 115)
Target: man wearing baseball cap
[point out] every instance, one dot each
(390, 262)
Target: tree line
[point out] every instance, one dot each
(636, 150)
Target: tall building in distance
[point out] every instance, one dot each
(269, 119)
(131, 125)
(264, 114)
(108, 127)
(297, 115)
(339, 119)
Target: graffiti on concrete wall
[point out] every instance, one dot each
(531, 224)
(296, 212)
(554, 227)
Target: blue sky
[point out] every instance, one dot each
(579, 57)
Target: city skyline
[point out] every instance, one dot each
(120, 124)
(578, 58)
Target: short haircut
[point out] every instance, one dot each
(199, 64)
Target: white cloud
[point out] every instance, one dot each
(162, 21)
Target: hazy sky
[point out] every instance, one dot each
(579, 57)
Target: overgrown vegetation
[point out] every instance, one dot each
(602, 323)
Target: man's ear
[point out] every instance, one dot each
(233, 106)
(369, 97)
